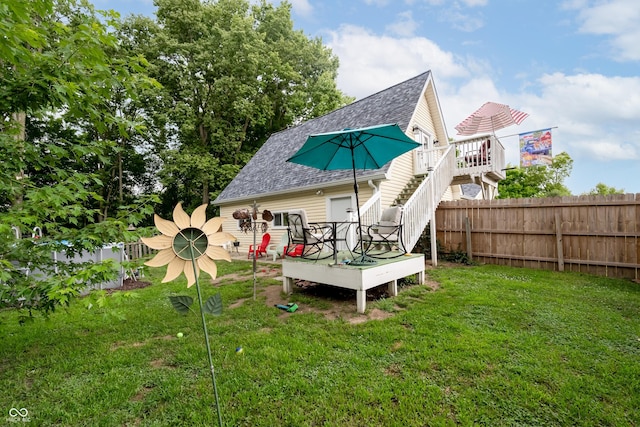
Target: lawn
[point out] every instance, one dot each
(484, 345)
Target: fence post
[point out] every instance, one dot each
(559, 242)
(467, 227)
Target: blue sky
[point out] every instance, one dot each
(572, 64)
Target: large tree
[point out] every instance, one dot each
(57, 68)
(537, 181)
(232, 74)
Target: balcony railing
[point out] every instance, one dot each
(481, 154)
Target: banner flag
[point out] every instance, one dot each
(535, 148)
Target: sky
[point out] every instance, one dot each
(573, 66)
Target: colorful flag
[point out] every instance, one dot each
(535, 148)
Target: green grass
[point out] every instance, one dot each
(493, 346)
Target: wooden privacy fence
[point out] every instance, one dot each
(591, 234)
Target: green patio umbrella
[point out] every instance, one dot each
(356, 149)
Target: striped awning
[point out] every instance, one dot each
(489, 118)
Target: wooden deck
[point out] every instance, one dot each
(358, 278)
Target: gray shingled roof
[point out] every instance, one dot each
(269, 172)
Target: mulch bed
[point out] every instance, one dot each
(130, 284)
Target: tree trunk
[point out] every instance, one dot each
(120, 176)
(20, 119)
(205, 193)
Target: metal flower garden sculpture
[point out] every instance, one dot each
(187, 245)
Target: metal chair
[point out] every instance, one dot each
(313, 236)
(380, 239)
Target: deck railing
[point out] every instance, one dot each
(482, 154)
(473, 156)
(422, 204)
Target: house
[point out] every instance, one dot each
(418, 180)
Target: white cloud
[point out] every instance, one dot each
(377, 2)
(462, 21)
(369, 62)
(404, 25)
(474, 3)
(618, 19)
(598, 113)
(302, 7)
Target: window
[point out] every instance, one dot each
(280, 219)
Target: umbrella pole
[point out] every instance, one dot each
(359, 231)
(362, 259)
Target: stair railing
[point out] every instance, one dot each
(421, 205)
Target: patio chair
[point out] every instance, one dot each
(313, 236)
(482, 157)
(380, 239)
(262, 247)
(278, 251)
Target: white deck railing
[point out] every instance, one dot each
(370, 211)
(481, 154)
(369, 214)
(424, 159)
(466, 157)
(422, 204)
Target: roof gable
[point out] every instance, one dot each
(268, 171)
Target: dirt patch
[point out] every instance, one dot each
(261, 272)
(119, 344)
(341, 303)
(158, 363)
(130, 284)
(139, 396)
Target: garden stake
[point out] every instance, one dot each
(206, 334)
(191, 238)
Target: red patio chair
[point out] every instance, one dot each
(262, 248)
(295, 251)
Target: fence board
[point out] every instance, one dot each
(600, 234)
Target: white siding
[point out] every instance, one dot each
(314, 205)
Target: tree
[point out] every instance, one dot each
(602, 189)
(537, 181)
(57, 68)
(232, 75)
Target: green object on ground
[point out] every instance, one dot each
(291, 307)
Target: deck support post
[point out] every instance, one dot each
(361, 301)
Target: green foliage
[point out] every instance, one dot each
(604, 190)
(213, 305)
(60, 62)
(108, 303)
(182, 303)
(232, 74)
(537, 181)
(457, 256)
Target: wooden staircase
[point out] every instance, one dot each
(409, 189)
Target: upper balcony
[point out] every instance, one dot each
(481, 155)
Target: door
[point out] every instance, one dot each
(339, 211)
